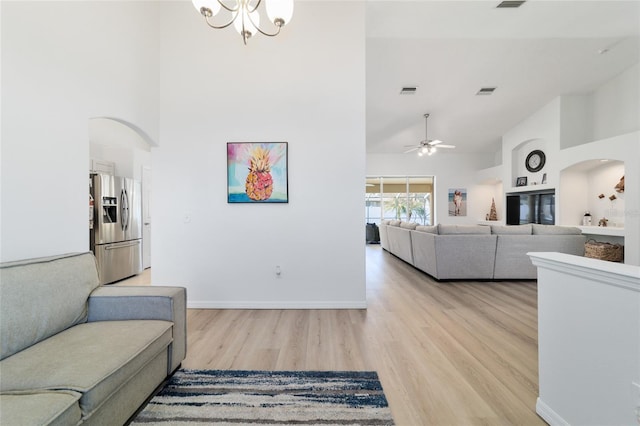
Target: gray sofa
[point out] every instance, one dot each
(73, 352)
(477, 251)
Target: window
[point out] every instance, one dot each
(409, 199)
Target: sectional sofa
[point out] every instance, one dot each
(479, 252)
(73, 352)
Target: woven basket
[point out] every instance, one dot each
(604, 251)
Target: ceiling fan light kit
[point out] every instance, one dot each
(427, 146)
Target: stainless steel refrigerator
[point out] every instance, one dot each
(116, 237)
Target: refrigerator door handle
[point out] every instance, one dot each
(124, 202)
(122, 245)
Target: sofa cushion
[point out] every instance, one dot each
(463, 229)
(555, 230)
(94, 358)
(394, 223)
(512, 261)
(465, 256)
(40, 407)
(429, 229)
(41, 297)
(511, 229)
(408, 225)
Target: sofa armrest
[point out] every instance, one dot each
(121, 303)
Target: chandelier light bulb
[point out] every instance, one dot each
(279, 12)
(208, 8)
(419, 153)
(425, 149)
(248, 20)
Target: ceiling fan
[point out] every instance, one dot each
(427, 146)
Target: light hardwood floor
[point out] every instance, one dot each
(451, 353)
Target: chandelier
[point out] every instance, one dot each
(244, 15)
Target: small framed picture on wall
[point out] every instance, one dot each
(521, 181)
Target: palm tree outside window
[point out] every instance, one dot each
(407, 198)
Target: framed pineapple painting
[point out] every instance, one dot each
(257, 172)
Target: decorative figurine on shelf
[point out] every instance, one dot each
(586, 219)
(620, 186)
(603, 222)
(493, 213)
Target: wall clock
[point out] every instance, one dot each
(535, 161)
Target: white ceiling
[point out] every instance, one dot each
(450, 49)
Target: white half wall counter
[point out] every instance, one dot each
(588, 340)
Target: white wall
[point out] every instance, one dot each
(616, 105)
(62, 63)
(305, 87)
(121, 143)
(451, 171)
(576, 125)
(540, 130)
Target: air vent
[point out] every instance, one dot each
(408, 90)
(510, 4)
(486, 91)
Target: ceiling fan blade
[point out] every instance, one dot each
(446, 146)
(412, 149)
(413, 145)
(434, 142)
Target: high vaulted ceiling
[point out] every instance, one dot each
(451, 49)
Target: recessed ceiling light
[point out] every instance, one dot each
(510, 4)
(410, 90)
(486, 91)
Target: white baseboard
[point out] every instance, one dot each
(276, 305)
(548, 415)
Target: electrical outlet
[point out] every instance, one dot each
(278, 271)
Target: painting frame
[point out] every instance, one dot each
(257, 172)
(457, 201)
(521, 181)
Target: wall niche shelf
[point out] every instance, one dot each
(602, 230)
(530, 188)
(580, 185)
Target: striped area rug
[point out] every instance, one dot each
(270, 398)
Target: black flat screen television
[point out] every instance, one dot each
(531, 207)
